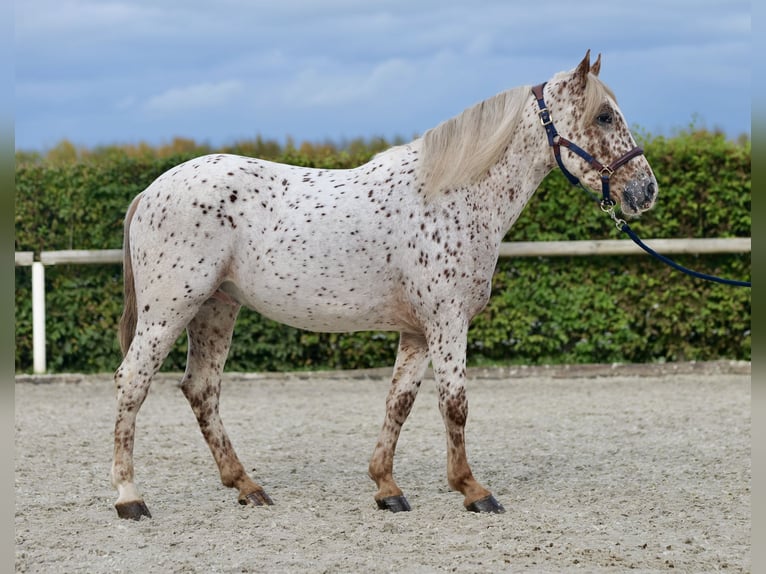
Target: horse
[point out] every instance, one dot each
(407, 242)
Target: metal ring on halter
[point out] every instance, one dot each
(609, 210)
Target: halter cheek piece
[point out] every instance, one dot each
(556, 141)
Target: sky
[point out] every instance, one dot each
(102, 72)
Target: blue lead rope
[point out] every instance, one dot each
(622, 225)
(637, 240)
(555, 141)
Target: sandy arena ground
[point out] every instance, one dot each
(600, 469)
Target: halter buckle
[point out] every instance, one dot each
(545, 117)
(606, 171)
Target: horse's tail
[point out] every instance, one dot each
(129, 313)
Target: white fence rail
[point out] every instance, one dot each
(515, 249)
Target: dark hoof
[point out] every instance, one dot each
(132, 510)
(394, 503)
(257, 498)
(486, 504)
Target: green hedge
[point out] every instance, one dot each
(543, 310)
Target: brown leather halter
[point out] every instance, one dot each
(605, 171)
(556, 141)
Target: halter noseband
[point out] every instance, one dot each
(556, 141)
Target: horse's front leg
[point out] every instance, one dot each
(448, 349)
(411, 363)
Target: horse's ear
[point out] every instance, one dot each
(596, 67)
(581, 72)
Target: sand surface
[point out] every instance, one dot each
(600, 469)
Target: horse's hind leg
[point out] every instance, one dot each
(132, 379)
(411, 363)
(210, 335)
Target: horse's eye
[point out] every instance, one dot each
(604, 118)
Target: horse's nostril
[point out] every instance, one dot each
(651, 189)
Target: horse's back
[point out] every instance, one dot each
(312, 248)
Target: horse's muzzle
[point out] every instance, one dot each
(639, 195)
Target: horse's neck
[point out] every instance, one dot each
(514, 178)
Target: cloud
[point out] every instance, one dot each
(194, 97)
(341, 67)
(38, 19)
(328, 84)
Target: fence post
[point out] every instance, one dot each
(38, 317)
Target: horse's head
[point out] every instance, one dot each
(593, 139)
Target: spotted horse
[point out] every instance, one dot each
(407, 242)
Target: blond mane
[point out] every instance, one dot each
(461, 150)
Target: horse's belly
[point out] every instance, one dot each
(330, 321)
(325, 309)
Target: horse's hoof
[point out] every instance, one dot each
(132, 510)
(257, 498)
(394, 503)
(486, 504)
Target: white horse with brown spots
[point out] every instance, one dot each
(407, 242)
